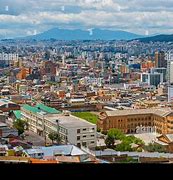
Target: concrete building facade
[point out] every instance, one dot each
(71, 129)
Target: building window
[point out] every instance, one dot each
(92, 135)
(78, 131)
(84, 129)
(78, 137)
(92, 142)
(84, 136)
(84, 144)
(78, 145)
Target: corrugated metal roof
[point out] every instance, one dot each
(30, 108)
(47, 109)
(40, 108)
(63, 149)
(18, 114)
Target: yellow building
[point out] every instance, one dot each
(130, 121)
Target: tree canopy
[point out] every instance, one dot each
(55, 137)
(126, 141)
(155, 148)
(116, 134)
(20, 125)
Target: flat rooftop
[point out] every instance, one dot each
(69, 121)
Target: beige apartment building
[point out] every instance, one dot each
(44, 120)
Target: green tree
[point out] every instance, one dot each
(155, 148)
(55, 137)
(133, 139)
(112, 135)
(20, 125)
(124, 146)
(109, 141)
(116, 134)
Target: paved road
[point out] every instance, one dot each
(34, 138)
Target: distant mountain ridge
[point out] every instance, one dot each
(95, 34)
(157, 38)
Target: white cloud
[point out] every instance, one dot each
(23, 17)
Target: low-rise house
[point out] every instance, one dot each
(21, 143)
(166, 140)
(3, 117)
(5, 130)
(7, 105)
(62, 153)
(3, 150)
(34, 153)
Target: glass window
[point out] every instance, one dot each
(78, 145)
(84, 143)
(78, 131)
(78, 137)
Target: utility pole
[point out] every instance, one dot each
(57, 121)
(44, 131)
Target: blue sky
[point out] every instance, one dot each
(28, 17)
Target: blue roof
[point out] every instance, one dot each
(62, 149)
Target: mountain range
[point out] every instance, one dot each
(95, 34)
(159, 38)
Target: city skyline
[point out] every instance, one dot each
(30, 17)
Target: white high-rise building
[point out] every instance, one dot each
(169, 58)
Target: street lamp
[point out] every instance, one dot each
(44, 130)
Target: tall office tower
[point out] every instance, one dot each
(152, 78)
(160, 70)
(160, 60)
(169, 58)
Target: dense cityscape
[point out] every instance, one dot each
(86, 101)
(86, 84)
